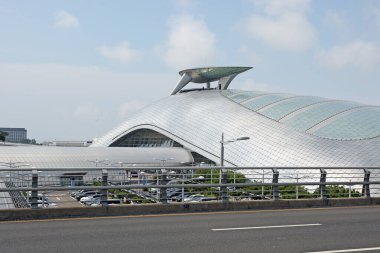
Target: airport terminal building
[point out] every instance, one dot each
(284, 129)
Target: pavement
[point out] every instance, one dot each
(5, 198)
(62, 199)
(344, 229)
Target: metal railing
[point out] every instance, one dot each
(47, 187)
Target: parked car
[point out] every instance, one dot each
(178, 198)
(193, 197)
(74, 194)
(203, 199)
(46, 203)
(89, 199)
(171, 192)
(98, 202)
(84, 194)
(93, 200)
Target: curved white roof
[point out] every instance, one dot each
(84, 157)
(281, 127)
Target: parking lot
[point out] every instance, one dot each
(62, 199)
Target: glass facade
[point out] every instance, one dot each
(145, 138)
(317, 113)
(284, 107)
(306, 113)
(241, 97)
(262, 101)
(16, 135)
(200, 159)
(362, 123)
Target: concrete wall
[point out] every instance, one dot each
(49, 213)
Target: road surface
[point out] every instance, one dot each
(352, 229)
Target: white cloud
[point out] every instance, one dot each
(87, 111)
(189, 44)
(126, 109)
(376, 12)
(277, 7)
(358, 54)
(336, 20)
(284, 25)
(250, 55)
(121, 53)
(57, 95)
(183, 3)
(63, 19)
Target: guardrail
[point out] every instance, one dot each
(39, 188)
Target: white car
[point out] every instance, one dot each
(192, 197)
(88, 200)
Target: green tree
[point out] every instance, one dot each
(213, 175)
(3, 135)
(290, 192)
(338, 191)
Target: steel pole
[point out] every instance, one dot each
(221, 158)
(297, 187)
(262, 187)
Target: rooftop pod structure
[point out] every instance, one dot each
(283, 129)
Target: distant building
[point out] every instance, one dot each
(15, 135)
(67, 143)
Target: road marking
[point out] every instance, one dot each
(58, 198)
(346, 250)
(263, 227)
(187, 214)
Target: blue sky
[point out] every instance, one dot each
(72, 70)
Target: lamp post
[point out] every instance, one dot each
(13, 165)
(222, 172)
(297, 178)
(163, 160)
(121, 164)
(104, 162)
(349, 190)
(262, 181)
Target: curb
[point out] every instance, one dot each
(125, 210)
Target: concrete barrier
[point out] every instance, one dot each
(120, 210)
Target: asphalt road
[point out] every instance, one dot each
(307, 230)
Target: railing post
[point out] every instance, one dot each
(163, 193)
(365, 190)
(224, 188)
(275, 192)
(322, 187)
(34, 193)
(104, 192)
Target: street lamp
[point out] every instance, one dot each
(13, 165)
(121, 164)
(126, 175)
(262, 179)
(222, 143)
(104, 162)
(163, 160)
(297, 180)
